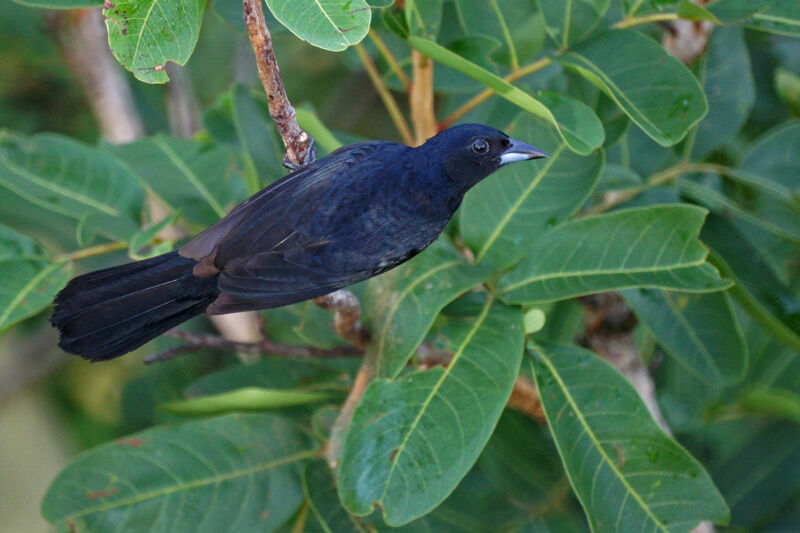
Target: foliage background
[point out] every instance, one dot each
(739, 418)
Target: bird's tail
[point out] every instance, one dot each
(108, 313)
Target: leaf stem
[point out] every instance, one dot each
(635, 21)
(92, 251)
(389, 58)
(386, 95)
(484, 95)
(655, 180)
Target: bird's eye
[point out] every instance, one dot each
(481, 146)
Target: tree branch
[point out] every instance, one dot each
(421, 98)
(194, 342)
(299, 145)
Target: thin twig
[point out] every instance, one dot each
(299, 145)
(484, 95)
(659, 178)
(198, 341)
(390, 59)
(386, 95)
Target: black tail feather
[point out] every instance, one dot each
(108, 313)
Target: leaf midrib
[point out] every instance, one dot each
(516, 205)
(47, 185)
(643, 270)
(411, 286)
(611, 464)
(424, 406)
(140, 497)
(190, 176)
(26, 290)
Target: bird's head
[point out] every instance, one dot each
(470, 152)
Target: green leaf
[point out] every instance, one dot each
(577, 124)
(782, 218)
(145, 34)
(772, 402)
(323, 500)
(69, 178)
(729, 86)
(774, 16)
(143, 238)
(568, 21)
(412, 440)
(787, 85)
(200, 179)
(402, 304)
(774, 156)
(699, 331)
(234, 472)
(757, 287)
(514, 23)
(246, 399)
(628, 474)
(760, 478)
(424, 17)
(60, 4)
(641, 247)
(656, 90)
(311, 124)
(331, 25)
(688, 10)
(28, 283)
(527, 199)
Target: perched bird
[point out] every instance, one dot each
(361, 211)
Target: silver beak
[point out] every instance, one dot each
(520, 151)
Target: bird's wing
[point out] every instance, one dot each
(269, 249)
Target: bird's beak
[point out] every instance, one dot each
(520, 151)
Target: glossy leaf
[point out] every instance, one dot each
(578, 125)
(757, 287)
(69, 178)
(628, 474)
(412, 440)
(775, 157)
(570, 20)
(145, 34)
(515, 24)
(323, 501)
(642, 247)
(423, 17)
(729, 86)
(774, 16)
(699, 331)
(760, 477)
(656, 90)
(332, 25)
(521, 201)
(781, 219)
(60, 4)
(234, 472)
(198, 178)
(402, 304)
(28, 282)
(688, 10)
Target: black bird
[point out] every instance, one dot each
(359, 212)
